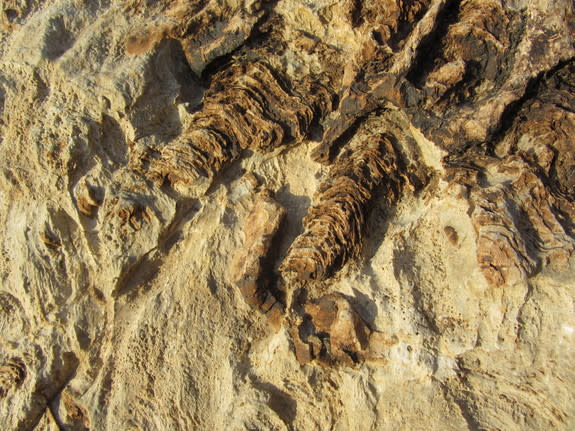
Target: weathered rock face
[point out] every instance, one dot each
(246, 108)
(334, 225)
(333, 331)
(250, 267)
(286, 215)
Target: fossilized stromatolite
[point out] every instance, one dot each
(136, 306)
(247, 107)
(334, 225)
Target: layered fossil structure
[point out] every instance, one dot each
(287, 215)
(519, 228)
(247, 108)
(12, 374)
(334, 226)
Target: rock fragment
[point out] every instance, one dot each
(332, 332)
(12, 374)
(88, 199)
(248, 267)
(451, 234)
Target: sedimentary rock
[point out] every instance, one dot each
(12, 374)
(332, 332)
(480, 51)
(247, 107)
(249, 265)
(148, 280)
(206, 30)
(387, 26)
(542, 128)
(519, 229)
(334, 225)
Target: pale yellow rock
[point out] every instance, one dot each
(116, 297)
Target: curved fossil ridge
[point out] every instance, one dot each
(247, 107)
(12, 374)
(333, 227)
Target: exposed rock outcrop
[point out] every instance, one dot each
(332, 332)
(334, 226)
(287, 215)
(249, 265)
(12, 374)
(246, 108)
(519, 229)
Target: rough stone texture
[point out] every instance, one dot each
(250, 267)
(334, 225)
(246, 108)
(333, 331)
(164, 165)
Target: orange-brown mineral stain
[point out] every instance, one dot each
(142, 41)
(451, 234)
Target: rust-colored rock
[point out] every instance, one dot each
(124, 219)
(248, 265)
(12, 374)
(544, 128)
(451, 234)
(88, 199)
(206, 29)
(332, 332)
(74, 412)
(472, 50)
(519, 230)
(522, 219)
(392, 19)
(247, 107)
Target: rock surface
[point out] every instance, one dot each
(287, 215)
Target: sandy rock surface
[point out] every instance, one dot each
(287, 215)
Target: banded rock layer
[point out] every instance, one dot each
(12, 374)
(247, 108)
(287, 215)
(334, 226)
